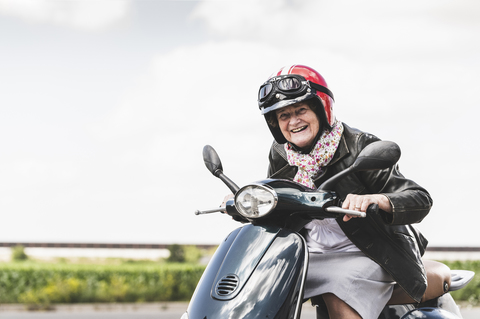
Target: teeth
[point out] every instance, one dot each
(298, 129)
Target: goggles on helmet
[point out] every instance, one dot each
(286, 87)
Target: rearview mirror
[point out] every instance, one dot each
(212, 160)
(214, 165)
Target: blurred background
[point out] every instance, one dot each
(105, 107)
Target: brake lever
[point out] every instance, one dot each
(210, 211)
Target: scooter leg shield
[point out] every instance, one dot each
(265, 268)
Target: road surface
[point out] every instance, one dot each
(137, 311)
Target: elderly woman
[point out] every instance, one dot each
(360, 258)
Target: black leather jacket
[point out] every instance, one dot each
(387, 238)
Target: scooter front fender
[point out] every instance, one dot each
(257, 272)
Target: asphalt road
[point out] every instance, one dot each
(158, 311)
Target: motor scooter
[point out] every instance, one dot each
(259, 270)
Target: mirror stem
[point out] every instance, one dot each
(330, 183)
(230, 184)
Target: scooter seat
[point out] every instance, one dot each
(439, 277)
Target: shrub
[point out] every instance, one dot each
(40, 285)
(18, 253)
(192, 254)
(177, 253)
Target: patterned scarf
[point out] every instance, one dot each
(310, 165)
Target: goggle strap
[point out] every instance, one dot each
(321, 88)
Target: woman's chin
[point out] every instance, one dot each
(302, 143)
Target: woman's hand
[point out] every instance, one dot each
(361, 203)
(225, 199)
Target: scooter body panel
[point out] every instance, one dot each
(441, 307)
(267, 269)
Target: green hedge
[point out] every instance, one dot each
(40, 285)
(44, 284)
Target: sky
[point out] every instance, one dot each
(106, 105)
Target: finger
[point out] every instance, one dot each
(366, 201)
(346, 202)
(362, 203)
(225, 200)
(357, 203)
(363, 206)
(350, 201)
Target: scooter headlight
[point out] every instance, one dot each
(255, 201)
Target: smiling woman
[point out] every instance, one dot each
(310, 146)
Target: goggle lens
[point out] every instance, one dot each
(289, 84)
(265, 90)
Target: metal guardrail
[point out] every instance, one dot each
(165, 246)
(97, 245)
(454, 249)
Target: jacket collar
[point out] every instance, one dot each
(341, 152)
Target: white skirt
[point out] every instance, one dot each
(353, 277)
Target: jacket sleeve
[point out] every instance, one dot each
(410, 202)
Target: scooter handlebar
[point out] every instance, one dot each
(372, 209)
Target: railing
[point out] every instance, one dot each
(96, 245)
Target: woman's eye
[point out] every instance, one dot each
(283, 116)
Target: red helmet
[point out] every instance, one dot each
(294, 84)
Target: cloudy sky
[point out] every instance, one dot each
(105, 107)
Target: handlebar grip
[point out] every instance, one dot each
(372, 209)
(339, 210)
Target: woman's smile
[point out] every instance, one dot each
(299, 129)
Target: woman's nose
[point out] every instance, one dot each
(294, 119)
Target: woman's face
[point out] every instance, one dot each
(299, 124)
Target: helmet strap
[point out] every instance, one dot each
(321, 88)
